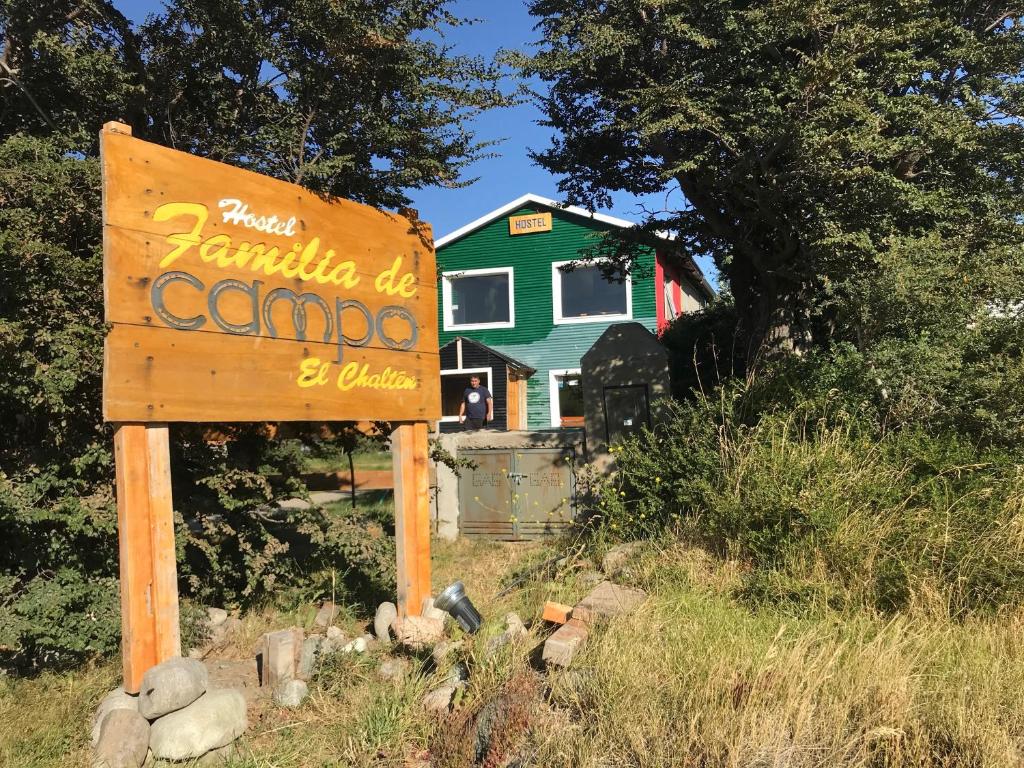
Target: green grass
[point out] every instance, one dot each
(363, 460)
(696, 677)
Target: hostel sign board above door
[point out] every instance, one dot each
(236, 297)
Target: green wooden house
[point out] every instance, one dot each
(510, 310)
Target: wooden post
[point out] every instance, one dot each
(149, 577)
(412, 515)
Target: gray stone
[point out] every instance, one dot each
(310, 652)
(514, 629)
(116, 699)
(607, 600)
(444, 649)
(171, 685)
(216, 616)
(291, 693)
(386, 613)
(225, 630)
(393, 669)
(214, 720)
(514, 626)
(335, 641)
(216, 757)
(326, 615)
(428, 610)
(417, 632)
(358, 645)
(458, 675)
(618, 558)
(440, 700)
(124, 740)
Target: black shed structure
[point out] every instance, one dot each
(504, 377)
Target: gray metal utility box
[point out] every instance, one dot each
(517, 493)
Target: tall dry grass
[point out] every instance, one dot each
(696, 679)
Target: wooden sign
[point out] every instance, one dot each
(237, 297)
(529, 223)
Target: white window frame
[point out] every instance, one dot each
(446, 297)
(466, 372)
(556, 295)
(556, 410)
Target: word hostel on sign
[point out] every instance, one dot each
(235, 297)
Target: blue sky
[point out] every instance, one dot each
(502, 24)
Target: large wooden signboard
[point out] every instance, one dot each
(236, 297)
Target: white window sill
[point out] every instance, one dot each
(477, 326)
(592, 319)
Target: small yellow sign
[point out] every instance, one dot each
(529, 223)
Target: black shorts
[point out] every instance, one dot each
(473, 424)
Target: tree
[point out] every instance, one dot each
(830, 153)
(355, 98)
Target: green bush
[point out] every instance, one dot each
(824, 510)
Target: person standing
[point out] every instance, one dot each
(477, 407)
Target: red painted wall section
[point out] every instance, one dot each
(659, 293)
(664, 272)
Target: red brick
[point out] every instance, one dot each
(565, 642)
(556, 613)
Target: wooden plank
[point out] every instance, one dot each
(132, 266)
(196, 376)
(412, 515)
(164, 595)
(512, 401)
(149, 593)
(139, 177)
(204, 261)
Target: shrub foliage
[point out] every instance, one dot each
(353, 98)
(827, 511)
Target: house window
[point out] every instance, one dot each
(453, 386)
(582, 294)
(478, 298)
(566, 391)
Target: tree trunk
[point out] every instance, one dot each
(769, 312)
(352, 477)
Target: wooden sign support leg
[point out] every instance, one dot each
(412, 515)
(149, 577)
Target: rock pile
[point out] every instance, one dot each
(289, 659)
(175, 716)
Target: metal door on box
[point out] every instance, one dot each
(518, 493)
(627, 411)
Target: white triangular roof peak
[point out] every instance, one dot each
(518, 203)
